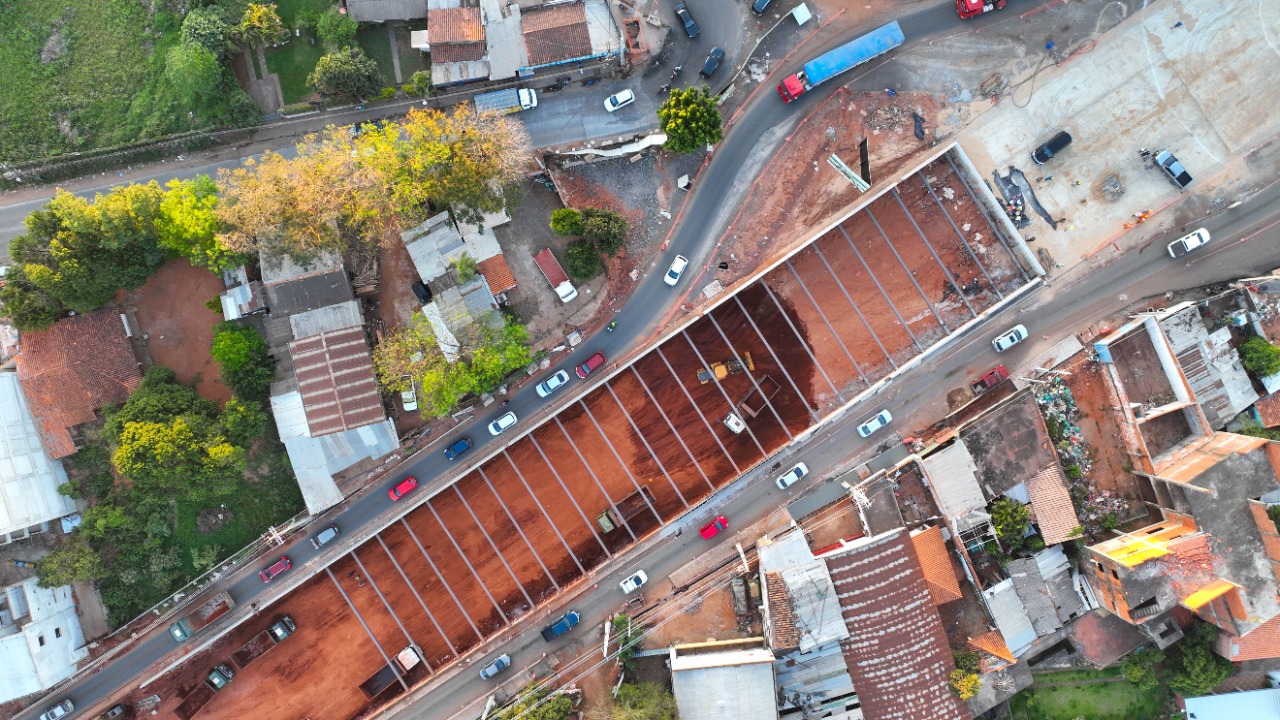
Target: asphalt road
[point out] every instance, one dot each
(1057, 310)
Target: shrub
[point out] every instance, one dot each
(606, 228)
(968, 661)
(247, 367)
(966, 685)
(567, 222)
(1260, 357)
(1073, 472)
(582, 260)
(420, 82)
(296, 108)
(1139, 667)
(387, 93)
(335, 29)
(348, 74)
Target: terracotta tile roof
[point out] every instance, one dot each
(782, 623)
(1269, 410)
(556, 33)
(1104, 638)
(1263, 642)
(335, 377)
(73, 368)
(935, 561)
(497, 273)
(992, 643)
(897, 651)
(458, 52)
(1051, 503)
(454, 25)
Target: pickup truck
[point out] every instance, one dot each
(997, 375)
(566, 623)
(1178, 174)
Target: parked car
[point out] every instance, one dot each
(60, 710)
(275, 569)
(1011, 337)
(422, 291)
(759, 6)
(551, 384)
(713, 63)
(1173, 168)
(115, 712)
(619, 100)
(502, 424)
(502, 663)
(714, 528)
(404, 487)
(409, 398)
(325, 536)
(690, 27)
(634, 582)
(792, 476)
(876, 422)
(1187, 243)
(676, 270)
(458, 447)
(592, 363)
(1047, 151)
(567, 622)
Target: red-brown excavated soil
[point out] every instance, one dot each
(177, 325)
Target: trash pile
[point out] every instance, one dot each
(1097, 510)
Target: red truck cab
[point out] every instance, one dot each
(972, 8)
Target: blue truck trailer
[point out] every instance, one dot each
(847, 56)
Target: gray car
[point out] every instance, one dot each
(501, 663)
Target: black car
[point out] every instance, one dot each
(1056, 144)
(759, 6)
(422, 291)
(690, 27)
(713, 63)
(462, 445)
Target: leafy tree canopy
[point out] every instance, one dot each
(194, 71)
(208, 28)
(247, 367)
(346, 75)
(582, 260)
(690, 119)
(1194, 668)
(188, 224)
(567, 222)
(1010, 519)
(1260, 357)
(336, 30)
(261, 25)
(606, 228)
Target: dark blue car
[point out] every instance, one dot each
(459, 446)
(566, 623)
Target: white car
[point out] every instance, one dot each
(677, 267)
(792, 476)
(881, 419)
(409, 398)
(497, 427)
(60, 710)
(1015, 335)
(634, 582)
(1187, 243)
(619, 100)
(551, 384)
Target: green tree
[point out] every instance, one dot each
(71, 561)
(346, 75)
(606, 228)
(159, 398)
(336, 30)
(639, 701)
(187, 224)
(582, 260)
(567, 222)
(464, 268)
(690, 119)
(208, 28)
(1010, 519)
(536, 702)
(420, 83)
(968, 660)
(1139, 668)
(261, 25)
(205, 557)
(178, 457)
(243, 422)
(1260, 357)
(27, 305)
(1194, 669)
(247, 366)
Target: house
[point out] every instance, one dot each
(1254, 705)
(1204, 351)
(456, 35)
(380, 11)
(563, 33)
(29, 478)
(458, 38)
(723, 680)
(72, 369)
(40, 638)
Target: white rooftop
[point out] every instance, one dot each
(507, 51)
(1253, 705)
(1010, 616)
(29, 480)
(954, 477)
(40, 638)
(729, 685)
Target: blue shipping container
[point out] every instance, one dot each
(853, 53)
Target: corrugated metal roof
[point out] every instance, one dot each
(326, 319)
(1011, 618)
(1051, 503)
(1254, 705)
(734, 685)
(29, 479)
(378, 11)
(953, 474)
(335, 377)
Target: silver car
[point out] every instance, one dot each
(60, 710)
(551, 384)
(502, 663)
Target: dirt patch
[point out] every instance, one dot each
(1111, 465)
(177, 328)
(211, 519)
(710, 618)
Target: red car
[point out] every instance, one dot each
(275, 568)
(715, 527)
(592, 363)
(406, 485)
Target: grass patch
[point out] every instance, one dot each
(373, 39)
(411, 59)
(289, 9)
(293, 63)
(1077, 675)
(1103, 701)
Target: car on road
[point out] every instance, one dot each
(1173, 168)
(502, 663)
(714, 528)
(567, 622)
(551, 384)
(1047, 151)
(634, 582)
(690, 27)
(405, 486)
(502, 424)
(619, 100)
(422, 291)
(792, 476)
(592, 363)
(458, 447)
(60, 710)
(1009, 338)
(677, 268)
(325, 536)
(713, 63)
(874, 423)
(1187, 243)
(275, 569)
(409, 398)
(759, 6)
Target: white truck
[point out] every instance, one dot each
(555, 275)
(506, 101)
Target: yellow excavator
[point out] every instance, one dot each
(722, 370)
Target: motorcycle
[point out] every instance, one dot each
(675, 72)
(611, 326)
(665, 88)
